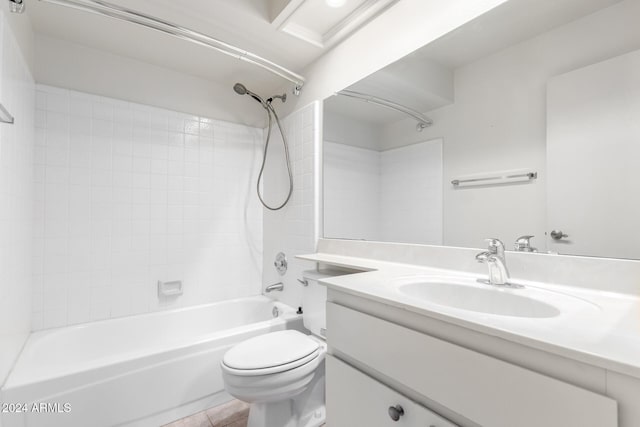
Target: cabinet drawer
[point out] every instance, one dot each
(355, 399)
(488, 391)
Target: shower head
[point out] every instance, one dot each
(242, 90)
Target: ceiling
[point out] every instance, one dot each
(252, 25)
(419, 80)
(322, 26)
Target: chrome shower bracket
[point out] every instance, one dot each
(281, 263)
(296, 90)
(282, 98)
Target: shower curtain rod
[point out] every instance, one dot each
(124, 14)
(423, 121)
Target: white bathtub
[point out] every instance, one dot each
(137, 371)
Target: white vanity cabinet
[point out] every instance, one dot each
(356, 399)
(477, 389)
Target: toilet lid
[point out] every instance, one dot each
(271, 350)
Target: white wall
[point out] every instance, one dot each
(17, 94)
(498, 122)
(74, 66)
(347, 130)
(127, 195)
(20, 26)
(293, 229)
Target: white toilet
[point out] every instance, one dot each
(281, 374)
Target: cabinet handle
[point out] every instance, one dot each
(395, 412)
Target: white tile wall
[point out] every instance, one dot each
(411, 194)
(127, 195)
(17, 94)
(293, 230)
(393, 195)
(352, 192)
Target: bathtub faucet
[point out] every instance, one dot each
(276, 287)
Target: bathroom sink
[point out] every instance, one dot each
(468, 294)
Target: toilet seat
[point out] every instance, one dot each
(271, 353)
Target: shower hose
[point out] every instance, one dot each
(271, 113)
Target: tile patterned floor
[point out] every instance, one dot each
(231, 414)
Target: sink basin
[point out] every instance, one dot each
(467, 294)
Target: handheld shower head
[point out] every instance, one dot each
(241, 89)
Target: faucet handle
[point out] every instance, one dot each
(523, 244)
(495, 246)
(483, 256)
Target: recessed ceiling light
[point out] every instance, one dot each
(335, 3)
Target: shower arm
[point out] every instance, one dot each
(124, 14)
(423, 121)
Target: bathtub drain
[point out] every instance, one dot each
(275, 312)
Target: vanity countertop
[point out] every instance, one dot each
(606, 335)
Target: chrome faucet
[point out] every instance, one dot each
(495, 260)
(523, 244)
(275, 287)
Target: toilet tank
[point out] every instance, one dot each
(314, 301)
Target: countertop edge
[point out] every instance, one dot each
(367, 265)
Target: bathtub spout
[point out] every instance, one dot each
(276, 287)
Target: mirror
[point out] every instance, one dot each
(523, 122)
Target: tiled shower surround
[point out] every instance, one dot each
(127, 195)
(16, 151)
(392, 195)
